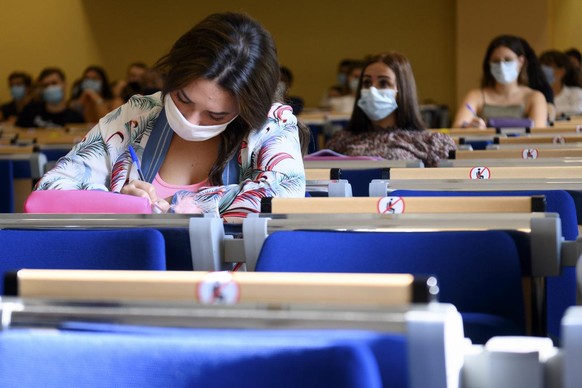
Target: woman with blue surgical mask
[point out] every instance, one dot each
(216, 139)
(51, 110)
(92, 95)
(504, 91)
(386, 121)
(344, 103)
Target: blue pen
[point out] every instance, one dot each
(155, 207)
(471, 109)
(135, 160)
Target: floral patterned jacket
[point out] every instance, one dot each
(269, 162)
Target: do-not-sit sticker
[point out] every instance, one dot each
(218, 288)
(391, 205)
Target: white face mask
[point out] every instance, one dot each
(504, 72)
(185, 129)
(377, 104)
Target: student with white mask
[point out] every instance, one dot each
(504, 92)
(386, 119)
(214, 140)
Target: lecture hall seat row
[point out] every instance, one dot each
(351, 345)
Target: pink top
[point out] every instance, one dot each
(165, 190)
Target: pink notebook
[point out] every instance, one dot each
(84, 202)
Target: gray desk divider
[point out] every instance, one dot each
(37, 162)
(566, 161)
(206, 242)
(477, 184)
(572, 346)
(351, 164)
(333, 188)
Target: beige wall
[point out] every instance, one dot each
(312, 36)
(444, 39)
(478, 22)
(35, 34)
(567, 28)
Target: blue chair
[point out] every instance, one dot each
(123, 249)
(178, 249)
(360, 179)
(560, 290)
(187, 358)
(475, 143)
(388, 350)
(479, 272)
(315, 131)
(6, 186)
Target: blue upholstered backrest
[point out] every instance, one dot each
(192, 358)
(6, 186)
(477, 271)
(129, 249)
(360, 179)
(561, 290)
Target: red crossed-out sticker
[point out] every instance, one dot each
(391, 205)
(480, 173)
(218, 288)
(529, 153)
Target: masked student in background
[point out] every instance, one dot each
(565, 83)
(51, 110)
(92, 95)
(504, 91)
(386, 120)
(214, 140)
(20, 85)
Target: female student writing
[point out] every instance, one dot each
(211, 141)
(504, 91)
(386, 119)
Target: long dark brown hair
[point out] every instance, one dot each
(239, 54)
(408, 112)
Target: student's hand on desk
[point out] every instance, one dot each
(146, 190)
(476, 122)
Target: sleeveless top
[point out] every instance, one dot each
(489, 111)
